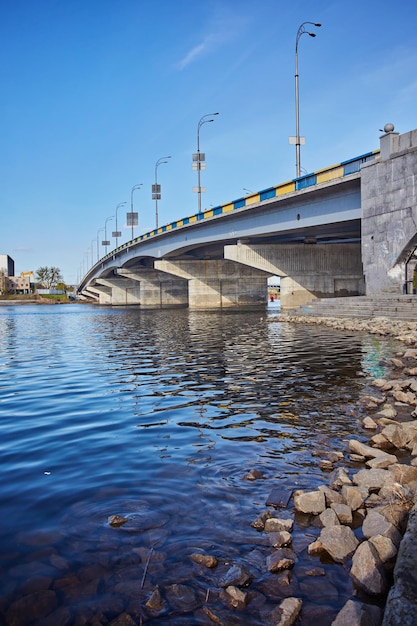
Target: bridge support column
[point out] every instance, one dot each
(157, 289)
(121, 292)
(307, 271)
(100, 292)
(219, 283)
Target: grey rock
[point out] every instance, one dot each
(343, 512)
(329, 518)
(234, 597)
(310, 502)
(273, 525)
(331, 495)
(358, 614)
(236, 576)
(382, 462)
(385, 548)
(286, 614)
(204, 559)
(354, 496)
(367, 571)
(283, 558)
(339, 542)
(360, 448)
(280, 539)
(373, 479)
(338, 478)
(376, 524)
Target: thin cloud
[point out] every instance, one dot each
(204, 47)
(224, 27)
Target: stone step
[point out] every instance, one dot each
(363, 307)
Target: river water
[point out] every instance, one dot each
(158, 416)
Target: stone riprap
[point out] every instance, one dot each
(384, 493)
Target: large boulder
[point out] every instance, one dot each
(354, 496)
(358, 614)
(339, 542)
(376, 524)
(373, 479)
(367, 571)
(309, 502)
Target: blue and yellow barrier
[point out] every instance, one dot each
(297, 184)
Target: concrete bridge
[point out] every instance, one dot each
(350, 229)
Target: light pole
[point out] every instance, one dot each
(117, 233)
(156, 189)
(132, 218)
(106, 242)
(92, 251)
(297, 140)
(100, 230)
(199, 158)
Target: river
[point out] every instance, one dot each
(157, 416)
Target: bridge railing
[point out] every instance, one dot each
(297, 184)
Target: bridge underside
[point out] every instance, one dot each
(236, 275)
(350, 236)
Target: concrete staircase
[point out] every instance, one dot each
(362, 307)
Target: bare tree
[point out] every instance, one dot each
(48, 276)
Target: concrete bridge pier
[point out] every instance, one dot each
(157, 289)
(101, 293)
(121, 292)
(307, 271)
(219, 283)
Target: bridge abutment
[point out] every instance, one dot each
(389, 213)
(307, 271)
(219, 283)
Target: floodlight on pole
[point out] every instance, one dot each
(199, 158)
(156, 189)
(297, 140)
(132, 218)
(106, 242)
(117, 233)
(100, 230)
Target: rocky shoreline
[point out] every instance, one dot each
(375, 501)
(361, 512)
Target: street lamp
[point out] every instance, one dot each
(297, 140)
(156, 189)
(117, 233)
(199, 158)
(92, 251)
(100, 230)
(132, 218)
(106, 242)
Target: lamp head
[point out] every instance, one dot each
(312, 34)
(317, 25)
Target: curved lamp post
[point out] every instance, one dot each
(106, 242)
(132, 218)
(156, 189)
(117, 233)
(299, 140)
(199, 158)
(100, 230)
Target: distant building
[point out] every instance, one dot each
(18, 284)
(9, 283)
(6, 265)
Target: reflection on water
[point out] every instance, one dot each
(157, 416)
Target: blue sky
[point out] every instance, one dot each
(94, 92)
